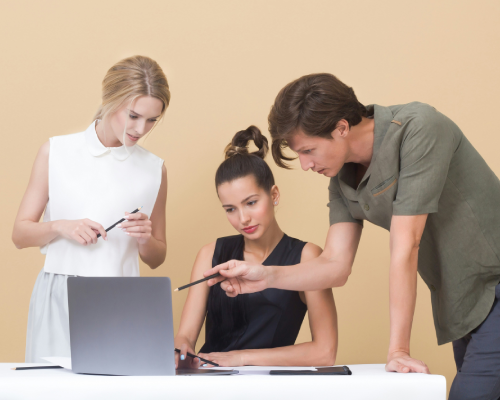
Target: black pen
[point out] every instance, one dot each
(120, 221)
(43, 367)
(196, 282)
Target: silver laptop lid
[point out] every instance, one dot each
(121, 326)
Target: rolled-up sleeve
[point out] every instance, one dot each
(338, 208)
(425, 158)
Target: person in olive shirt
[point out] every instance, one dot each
(408, 169)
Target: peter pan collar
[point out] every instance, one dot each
(97, 149)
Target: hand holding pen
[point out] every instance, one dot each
(182, 360)
(86, 231)
(137, 225)
(83, 231)
(187, 360)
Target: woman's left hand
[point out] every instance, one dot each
(227, 359)
(137, 225)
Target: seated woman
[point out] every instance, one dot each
(258, 328)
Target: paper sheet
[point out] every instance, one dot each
(65, 362)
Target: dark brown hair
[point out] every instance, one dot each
(240, 163)
(314, 104)
(229, 315)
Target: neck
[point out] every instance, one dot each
(263, 246)
(361, 142)
(106, 136)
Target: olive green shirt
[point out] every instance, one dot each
(423, 164)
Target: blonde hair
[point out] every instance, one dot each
(130, 78)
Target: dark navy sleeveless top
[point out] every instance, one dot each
(267, 319)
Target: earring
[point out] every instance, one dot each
(275, 203)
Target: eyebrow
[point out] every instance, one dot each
(242, 201)
(136, 113)
(298, 150)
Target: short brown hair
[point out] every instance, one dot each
(314, 104)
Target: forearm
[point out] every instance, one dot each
(192, 318)
(34, 234)
(153, 252)
(305, 354)
(402, 293)
(330, 269)
(319, 273)
(183, 338)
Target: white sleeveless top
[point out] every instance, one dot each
(89, 180)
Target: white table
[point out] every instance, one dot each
(366, 382)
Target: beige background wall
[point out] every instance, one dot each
(226, 61)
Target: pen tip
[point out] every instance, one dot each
(139, 207)
(13, 369)
(176, 290)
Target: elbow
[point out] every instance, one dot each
(328, 357)
(416, 245)
(16, 240)
(158, 262)
(342, 278)
(338, 269)
(155, 260)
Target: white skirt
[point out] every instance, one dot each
(48, 321)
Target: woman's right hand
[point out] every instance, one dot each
(182, 361)
(83, 231)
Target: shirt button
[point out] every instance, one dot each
(433, 288)
(366, 207)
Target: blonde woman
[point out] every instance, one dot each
(85, 182)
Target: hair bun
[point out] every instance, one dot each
(231, 150)
(239, 144)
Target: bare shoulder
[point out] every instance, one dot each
(43, 152)
(163, 177)
(310, 251)
(207, 250)
(41, 164)
(204, 258)
(203, 261)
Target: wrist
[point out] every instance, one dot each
(397, 352)
(55, 227)
(180, 339)
(246, 357)
(272, 277)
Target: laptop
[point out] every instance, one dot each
(124, 326)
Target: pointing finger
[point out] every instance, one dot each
(234, 272)
(216, 269)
